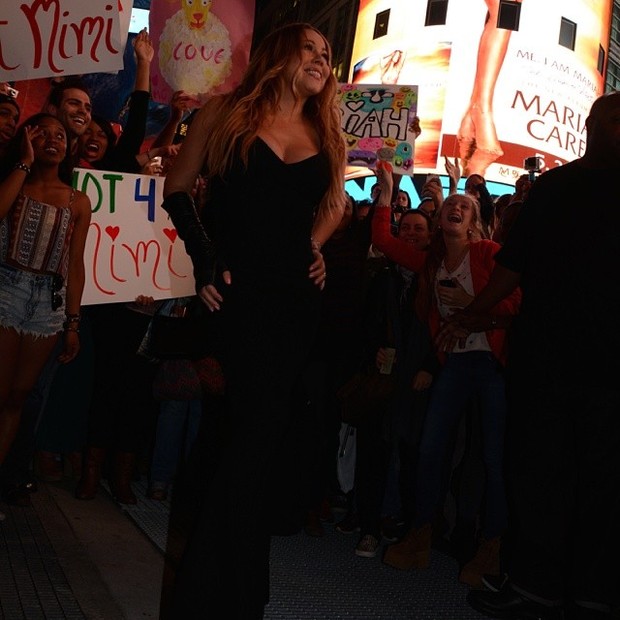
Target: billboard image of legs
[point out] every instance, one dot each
(498, 81)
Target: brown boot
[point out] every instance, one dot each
(91, 473)
(49, 465)
(75, 464)
(121, 478)
(485, 562)
(413, 551)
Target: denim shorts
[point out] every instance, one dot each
(26, 302)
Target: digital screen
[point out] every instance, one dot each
(139, 20)
(491, 96)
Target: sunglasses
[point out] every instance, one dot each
(57, 283)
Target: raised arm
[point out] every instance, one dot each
(395, 249)
(180, 103)
(11, 185)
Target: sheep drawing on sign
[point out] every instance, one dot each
(194, 49)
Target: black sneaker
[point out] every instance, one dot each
(508, 603)
(494, 582)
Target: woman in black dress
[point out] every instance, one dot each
(274, 158)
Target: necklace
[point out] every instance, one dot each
(454, 265)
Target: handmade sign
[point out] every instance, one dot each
(132, 247)
(377, 123)
(51, 38)
(202, 47)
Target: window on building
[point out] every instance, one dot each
(612, 82)
(615, 24)
(509, 15)
(568, 33)
(436, 11)
(381, 24)
(600, 65)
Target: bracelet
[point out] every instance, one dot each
(20, 165)
(71, 329)
(315, 244)
(380, 206)
(73, 317)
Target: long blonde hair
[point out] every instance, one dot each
(239, 117)
(437, 252)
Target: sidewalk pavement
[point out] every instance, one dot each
(63, 558)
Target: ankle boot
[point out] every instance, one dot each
(91, 473)
(75, 461)
(121, 478)
(413, 551)
(485, 562)
(49, 466)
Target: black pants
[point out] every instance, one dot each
(564, 489)
(121, 408)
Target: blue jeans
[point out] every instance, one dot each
(464, 375)
(177, 427)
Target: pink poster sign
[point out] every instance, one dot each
(202, 46)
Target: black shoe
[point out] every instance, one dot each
(494, 582)
(509, 604)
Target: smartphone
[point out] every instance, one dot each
(386, 367)
(447, 282)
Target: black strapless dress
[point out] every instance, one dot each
(261, 217)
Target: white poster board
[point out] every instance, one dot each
(132, 247)
(52, 38)
(377, 124)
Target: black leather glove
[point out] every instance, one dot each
(201, 249)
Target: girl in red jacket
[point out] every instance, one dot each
(456, 266)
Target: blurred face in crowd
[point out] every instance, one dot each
(414, 229)
(93, 143)
(402, 199)
(471, 185)
(8, 122)
(74, 111)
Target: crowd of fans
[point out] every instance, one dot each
(429, 468)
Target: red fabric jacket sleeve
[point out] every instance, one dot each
(395, 249)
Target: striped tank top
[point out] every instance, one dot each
(35, 236)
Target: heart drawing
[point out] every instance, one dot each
(112, 231)
(171, 233)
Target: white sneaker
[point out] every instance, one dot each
(367, 546)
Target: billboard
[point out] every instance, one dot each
(490, 96)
